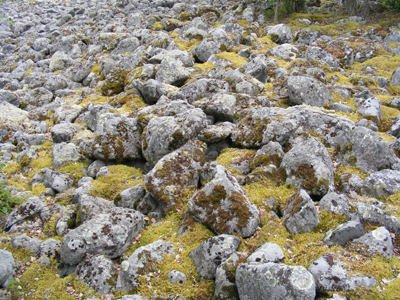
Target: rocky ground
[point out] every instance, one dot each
(182, 150)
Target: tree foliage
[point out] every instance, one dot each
(393, 4)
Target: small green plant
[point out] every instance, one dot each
(7, 201)
(393, 4)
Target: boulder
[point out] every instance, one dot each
(176, 173)
(32, 206)
(268, 252)
(381, 184)
(212, 252)
(175, 276)
(274, 281)
(9, 97)
(330, 274)
(280, 34)
(371, 108)
(108, 233)
(117, 137)
(129, 44)
(172, 71)
(89, 207)
(59, 61)
(64, 132)
(374, 215)
(396, 77)
(300, 214)
(308, 166)
(64, 153)
(7, 267)
(319, 54)
(98, 272)
(225, 286)
(343, 233)
(221, 106)
(306, 90)
(335, 203)
(26, 242)
(258, 67)
(377, 241)
(285, 51)
(141, 261)
(222, 205)
(130, 196)
(165, 134)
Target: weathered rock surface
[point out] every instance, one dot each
(382, 183)
(377, 241)
(305, 90)
(6, 267)
(343, 233)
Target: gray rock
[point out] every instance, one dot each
(172, 71)
(274, 281)
(374, 215)
(184, 56)
(59, 61)
(222, 205)
(344, 233)
(350, 182)
(95, 111)
(225, 286)
(31, 207)
(50, 248)
(64, 132)
(95, 166)
(98, 272)
(285, 51)
(175, 276)
(305, 90)
(341, 107)
(127, 45)
(109, 234)
(136, 264)
(26, 242)
(165, 134)
(61, 182)
(130, 196)
(152, 90)
(268, 252)
(300, 214)
(176, 172)
(204, 87)
(320, 54)
(371, 108)
(280, 34)
(211, 253)
(330, 274)
(393, 37)
(377, 241)
(221, 106)
(9, 97)
(89, 207)
(82, 71)
(258, 67)
(308, 166)
(216, 133)
(117, 137)
(382, 183)
(204, 50)
(7, 267)
(396, 77)
(395, 102)
(335, 203)
(66, 221)
(148, 204)
(64, 153)
(307, 36)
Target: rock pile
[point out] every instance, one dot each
(182, 150)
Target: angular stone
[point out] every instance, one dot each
(382, 183)
(343, 233)
(305, 90)
(377, 241)
(268, 252)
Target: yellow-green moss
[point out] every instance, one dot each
(187, 45)
(121, 178)
(205, 67)
(166, 230)
(243, 23)
(38, 189)
(257, 192)
(96, 69)
(234, 155)
(352, 170)
(75, 169)
(232, 57)
(157, 26)
(95, 100)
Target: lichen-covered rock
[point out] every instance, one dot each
(175, 173)
(9, 97)
(117, 137)
(59, 61)
(274, 281)
(175, 276)
(371, 108)
(221, 106)
(319, 54)
(64, 153)
(26, 242)
(152, 90)
(396, 77)
(165, 134)
(110, 234)
(142, 261)
(300, 214)
(98, 272)
(32, 206)
(64, 132)
(377, 241)
(212, 252)
(222, 205)
(382, 183)
(343, 233)
(374, 215)
(89, 207)
(258, 67)
(130, 196)
(172, 71)
(50, 248)
(268, 252)
(285, 51)
(308, 166)
(306, 90)
(216, 133)
(204, 87)
(335, 203)
(7, 266)
(280, 34)
(330, 274)
(225, 286)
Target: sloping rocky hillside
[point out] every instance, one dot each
(195, 150)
